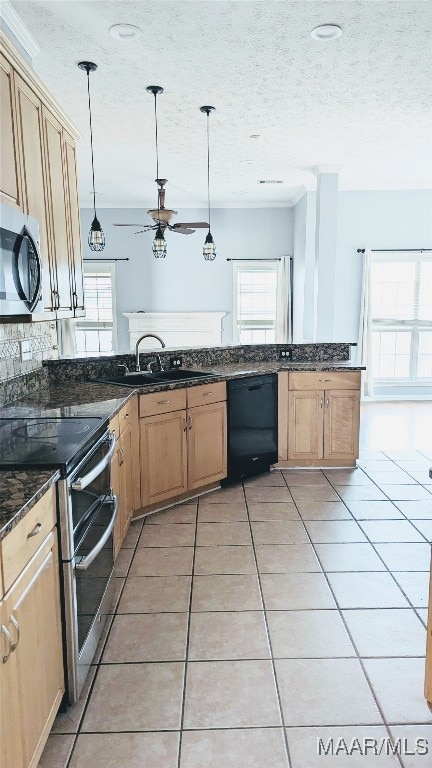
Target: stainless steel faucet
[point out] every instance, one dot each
(146, 336)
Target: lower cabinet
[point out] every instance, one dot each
(32, 677)
(428, 669)
(182, 451)
(305, 425)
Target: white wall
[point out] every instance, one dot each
(184, 281)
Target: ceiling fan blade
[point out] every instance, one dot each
(194, 224)
(129, 225)
(182, 230)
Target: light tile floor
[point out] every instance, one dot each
(261, 618)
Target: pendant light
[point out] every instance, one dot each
(209, 249)
(96, 237)
(159, 247)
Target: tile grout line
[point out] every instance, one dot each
(272, 659)
(187, 641)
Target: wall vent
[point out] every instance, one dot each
(270, 181)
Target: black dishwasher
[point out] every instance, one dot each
(252, 426)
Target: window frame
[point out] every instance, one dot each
(81, 323)
(282, 299)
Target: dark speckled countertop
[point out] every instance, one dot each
(19, 492)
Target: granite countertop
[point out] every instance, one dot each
(19, 492)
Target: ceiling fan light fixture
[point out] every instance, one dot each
(159, 245)
(96, 237)
(209, 248)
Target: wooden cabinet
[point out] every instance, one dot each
(38, 176)
(206, 444)
(319, 415)
(305, 425)
(32, 676)
(125, 468)
(163, 452)
(183, 449)
(428, 667)
(10, 183)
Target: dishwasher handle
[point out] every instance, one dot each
(83, 482)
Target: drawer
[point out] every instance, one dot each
(324, 380)
(114, 425)
(162, 402)
(125, 416)
(22, 542)
(206, 393)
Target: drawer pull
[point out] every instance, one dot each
(4, 631)
(37, 529)
(163, 402)
(207, 394)
(324, 379)
(18, 633)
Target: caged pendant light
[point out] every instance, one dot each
(209, 249)
(159, 246)
(96, 237)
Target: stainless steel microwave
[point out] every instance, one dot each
(20, 264)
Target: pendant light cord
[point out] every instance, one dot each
(208, 167)
(157, 154)
(91, 140)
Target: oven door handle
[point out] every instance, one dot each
(87, 560)
(83, 482)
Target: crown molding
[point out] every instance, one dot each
(19, 29)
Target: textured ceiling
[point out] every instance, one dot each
(362, 102)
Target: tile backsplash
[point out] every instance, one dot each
(43, 341)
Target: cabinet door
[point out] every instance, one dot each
(33, 606)
(11, 732)
(115, 487)
(305, 425)
(428, 670)
(58, 212)
(163, 456)
(29, 116)
(207, 444)
(341, 424)
(75, 248)
(10, 181)
(126, 484)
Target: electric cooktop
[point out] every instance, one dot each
(49, 442)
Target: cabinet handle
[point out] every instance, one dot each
(37, 529)
(207, 394)
(4, 630)
(190, 422)
(324, 379)
(121, 452)
(327, 402)
(18, 633)
(184, 424)
(321, 402)
(163, 402)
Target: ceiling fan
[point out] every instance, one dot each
(162, 217)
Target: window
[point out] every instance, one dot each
(401, 317)
(260, 302)
(95, 333)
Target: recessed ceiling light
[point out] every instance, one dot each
(255, 136)
(246, 162)
(326, 32)
(125, 32)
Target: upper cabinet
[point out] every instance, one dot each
(38, 176)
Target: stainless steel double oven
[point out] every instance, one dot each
(87, 515)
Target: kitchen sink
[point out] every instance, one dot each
(159, 377)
